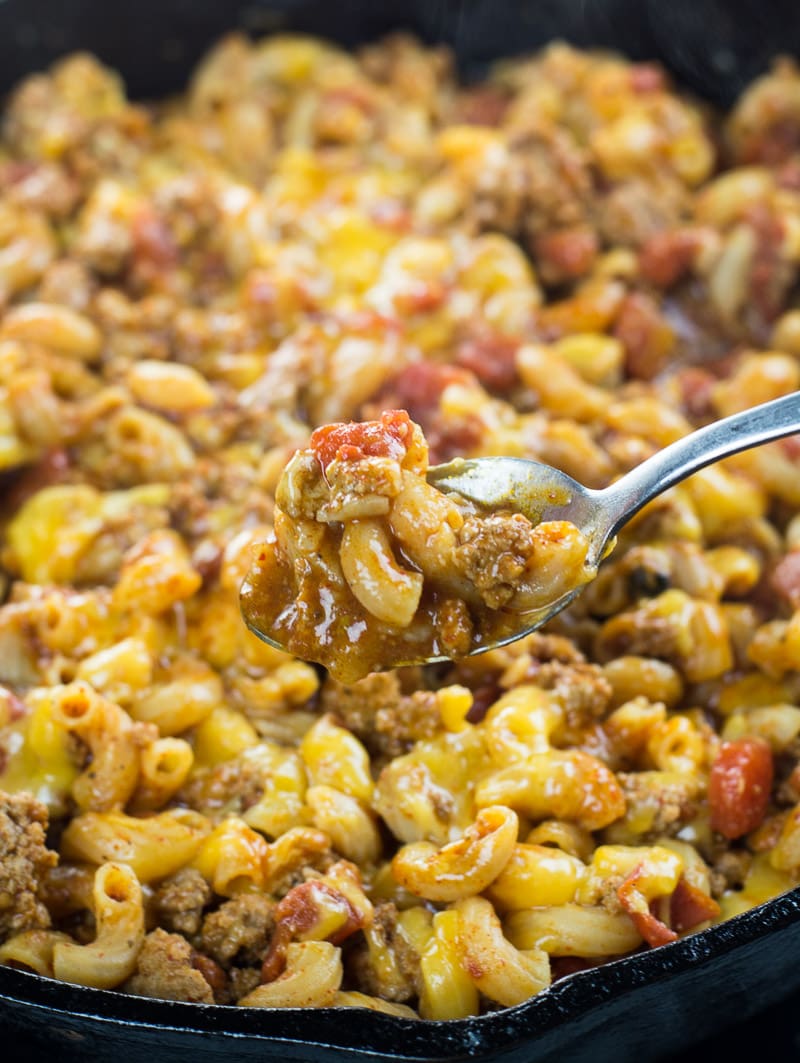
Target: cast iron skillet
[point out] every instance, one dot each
(646, 1007)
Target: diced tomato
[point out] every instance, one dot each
(483, 697)
(561, 966)
(667, 256)
(654, 932)
(13, 171)
(768, 274)
(297, 912)
(690, 906)
(152, 241)
(565, 254)
(419, 387)
(211, 971)
(697, 387)
(486, 105)
(275, 957)
(453, 441)
(789, 175)
(647, 77)
(791, 447)
(739, 786)
(386, 438)
(774, 144)
(52, 468)
(492, 357)
(427, 296)
(647, 337)
(651, 928)
(785, 578)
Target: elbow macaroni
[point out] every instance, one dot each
(194, 303)
(119, 913)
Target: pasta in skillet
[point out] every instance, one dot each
(345, 266)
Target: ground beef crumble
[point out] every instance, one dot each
(24, 861)
(670, 797)
(493, 553)
(229, 788)
(239, 931)
(543, 182)
(581, 689)
(729, 871)
(387, 721)
(241, 981)
(179, 901)
(165, 970)
(373, 978)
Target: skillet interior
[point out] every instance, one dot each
(648, 1006)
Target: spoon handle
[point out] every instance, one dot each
(674, 463)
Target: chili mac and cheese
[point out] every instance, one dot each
(571, 261)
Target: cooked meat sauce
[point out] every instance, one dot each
(370, 567)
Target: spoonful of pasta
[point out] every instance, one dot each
(378, 560)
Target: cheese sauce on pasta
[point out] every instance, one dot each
(569, 261)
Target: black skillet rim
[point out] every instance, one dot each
(378, 1034)
(579, 994)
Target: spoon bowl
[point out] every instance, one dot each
(541, 493)
(544, 494)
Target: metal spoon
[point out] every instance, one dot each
(543, 493)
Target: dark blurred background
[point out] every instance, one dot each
(713, 46)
